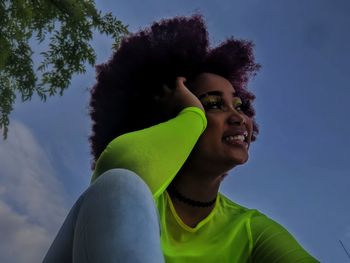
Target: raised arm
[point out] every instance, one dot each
(158, 152)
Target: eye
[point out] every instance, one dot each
(213, 103)
(237, 104)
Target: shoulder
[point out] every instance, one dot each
(236, 209)
(264, 234)
(256, 219)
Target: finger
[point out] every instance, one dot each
(180, 81)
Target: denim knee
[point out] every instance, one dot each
(121, 182)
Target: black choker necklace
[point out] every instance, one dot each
(189, 201)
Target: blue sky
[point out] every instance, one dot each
(298, 171)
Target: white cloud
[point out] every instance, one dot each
(31, 199)
(21, 241)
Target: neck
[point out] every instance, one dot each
(194, 187)
(195, 203)
(198, 182)
(197, 185)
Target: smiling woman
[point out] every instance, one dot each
(172, 117)
(225, 142)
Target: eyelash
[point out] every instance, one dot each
(219, 102)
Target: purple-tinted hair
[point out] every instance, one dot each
(121, 100)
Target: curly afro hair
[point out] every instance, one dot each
(122, 98)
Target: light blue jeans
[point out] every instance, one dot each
(114, 220)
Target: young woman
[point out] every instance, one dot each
(172, 117)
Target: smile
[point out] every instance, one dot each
(236, 140)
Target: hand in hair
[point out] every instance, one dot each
(175, 100)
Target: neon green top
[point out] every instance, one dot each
(230, 233)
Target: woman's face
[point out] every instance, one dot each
(226, 139)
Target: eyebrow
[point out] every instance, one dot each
(215, 92)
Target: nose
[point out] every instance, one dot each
(236, 118)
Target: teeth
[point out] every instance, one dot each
(237, 137)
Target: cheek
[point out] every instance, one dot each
(249, 123)
(214, 130)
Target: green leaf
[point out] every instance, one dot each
(68, 26)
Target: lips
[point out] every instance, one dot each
(236, 137)
(233, 142)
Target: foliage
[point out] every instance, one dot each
(67, 26)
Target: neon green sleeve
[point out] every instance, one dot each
(155, 153)
(272, 243)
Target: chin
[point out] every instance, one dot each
(231, 163)
(239, 161)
